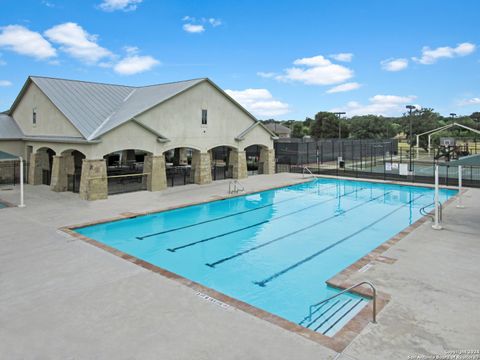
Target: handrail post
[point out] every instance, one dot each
(436, 225)
(460, 204)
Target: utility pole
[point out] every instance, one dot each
(338, 115)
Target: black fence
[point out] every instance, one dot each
(10, 172)
(376, 160)
(179, 175)
(299, 151)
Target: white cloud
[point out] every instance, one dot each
(394, 64)
(472, 101)
(344, 87)
(266, 75)
(77, 42)
(124, 5)
(345, 57)
(5, 83)
(214, 22)
(316, 71)
(259, 102)
(134, 64)
(430, 56)
(378, 105)
(194, 29)
(23, 41)
(196, 26)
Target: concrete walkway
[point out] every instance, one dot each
(61, 298)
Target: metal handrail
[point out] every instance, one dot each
(424, 212)
(306, 168)
(374, 298)
(237, 187)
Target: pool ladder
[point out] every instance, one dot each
(374, 298)
(234, 187)
(306, 169)
(424, 211)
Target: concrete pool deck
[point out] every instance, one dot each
(63, 298)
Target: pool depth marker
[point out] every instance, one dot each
(311, 257)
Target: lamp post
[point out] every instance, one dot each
(410, 108)
(338, 115)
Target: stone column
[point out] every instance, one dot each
(238, 159)
(35, 169)
(59, 181)
(267, 158)
(155, 166)
(93, 183)
(201, 168)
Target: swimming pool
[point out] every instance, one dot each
(275, 249)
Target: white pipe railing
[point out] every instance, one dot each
(460, 171)
(22, 204)
(436, 225)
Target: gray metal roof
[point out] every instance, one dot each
(140, 100)
(96, 108)
(278, 128)
(9, 128)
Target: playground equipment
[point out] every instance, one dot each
(451, 152)
(434, 131)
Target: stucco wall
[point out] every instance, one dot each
(14, 147)
(50, 121)
(179, 119)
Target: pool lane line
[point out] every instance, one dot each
(262, 283)
(230, 215)
(257, 224)
(294, 232)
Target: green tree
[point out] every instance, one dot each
(325, 125)
(422, 120)
(297, 131)
(372, 127)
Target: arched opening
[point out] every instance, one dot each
(178, 166)
(125, 171)
(252, 153)
(260, 159)
(220, 160)
(73, 169)
(41, 166)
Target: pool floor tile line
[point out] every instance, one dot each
(263, 283)
(212, 265)
(230, 215)
(260, 223)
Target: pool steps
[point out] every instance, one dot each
(329, 317)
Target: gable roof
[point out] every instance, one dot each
(278, 128)
(9, 129)
(95, 108)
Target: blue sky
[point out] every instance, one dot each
(280, 59)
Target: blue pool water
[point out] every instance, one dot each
(274, 249)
